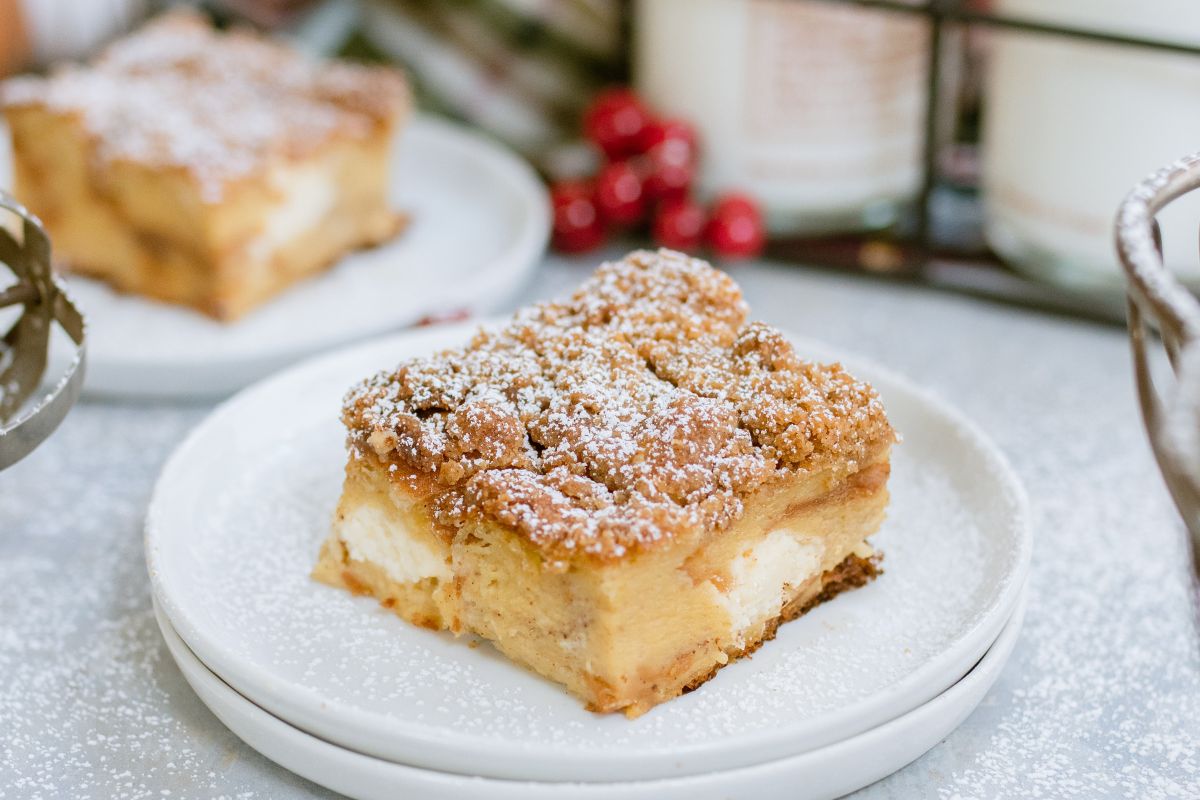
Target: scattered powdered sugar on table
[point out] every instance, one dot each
(1103, 697)
(91, 704)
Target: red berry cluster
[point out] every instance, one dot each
(647, 175)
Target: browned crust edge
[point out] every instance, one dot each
(854, 572)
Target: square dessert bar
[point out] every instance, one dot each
(624, 491)
(204, 168)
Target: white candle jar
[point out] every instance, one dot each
(1070, 125)
(814, 108)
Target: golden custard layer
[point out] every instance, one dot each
(622, 491)
(204, 168)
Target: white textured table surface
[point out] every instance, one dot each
(1100, 699)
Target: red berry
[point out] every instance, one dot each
(619, 194)
(736, 229)
(615, 122)
(668, 130)
(577, 224)
(679, 225)
(735, 203)
(669, 171)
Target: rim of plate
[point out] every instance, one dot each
(404, 741)
(362, 775)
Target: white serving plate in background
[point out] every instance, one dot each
(242, 506)
(479, 225)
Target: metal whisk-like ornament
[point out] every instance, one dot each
(25, 422)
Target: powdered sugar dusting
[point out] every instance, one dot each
(179, 94)
(641, 407)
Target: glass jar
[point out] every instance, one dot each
(1070, 125)
(814, 108)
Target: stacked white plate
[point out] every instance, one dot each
(353, 698)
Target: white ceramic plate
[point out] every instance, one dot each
(829, 772)
(480, 222)
(244, 503)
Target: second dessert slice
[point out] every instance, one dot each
(210, 169)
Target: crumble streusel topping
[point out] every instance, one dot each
(178, 93)
(641, 406)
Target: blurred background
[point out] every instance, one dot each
(977, 146)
